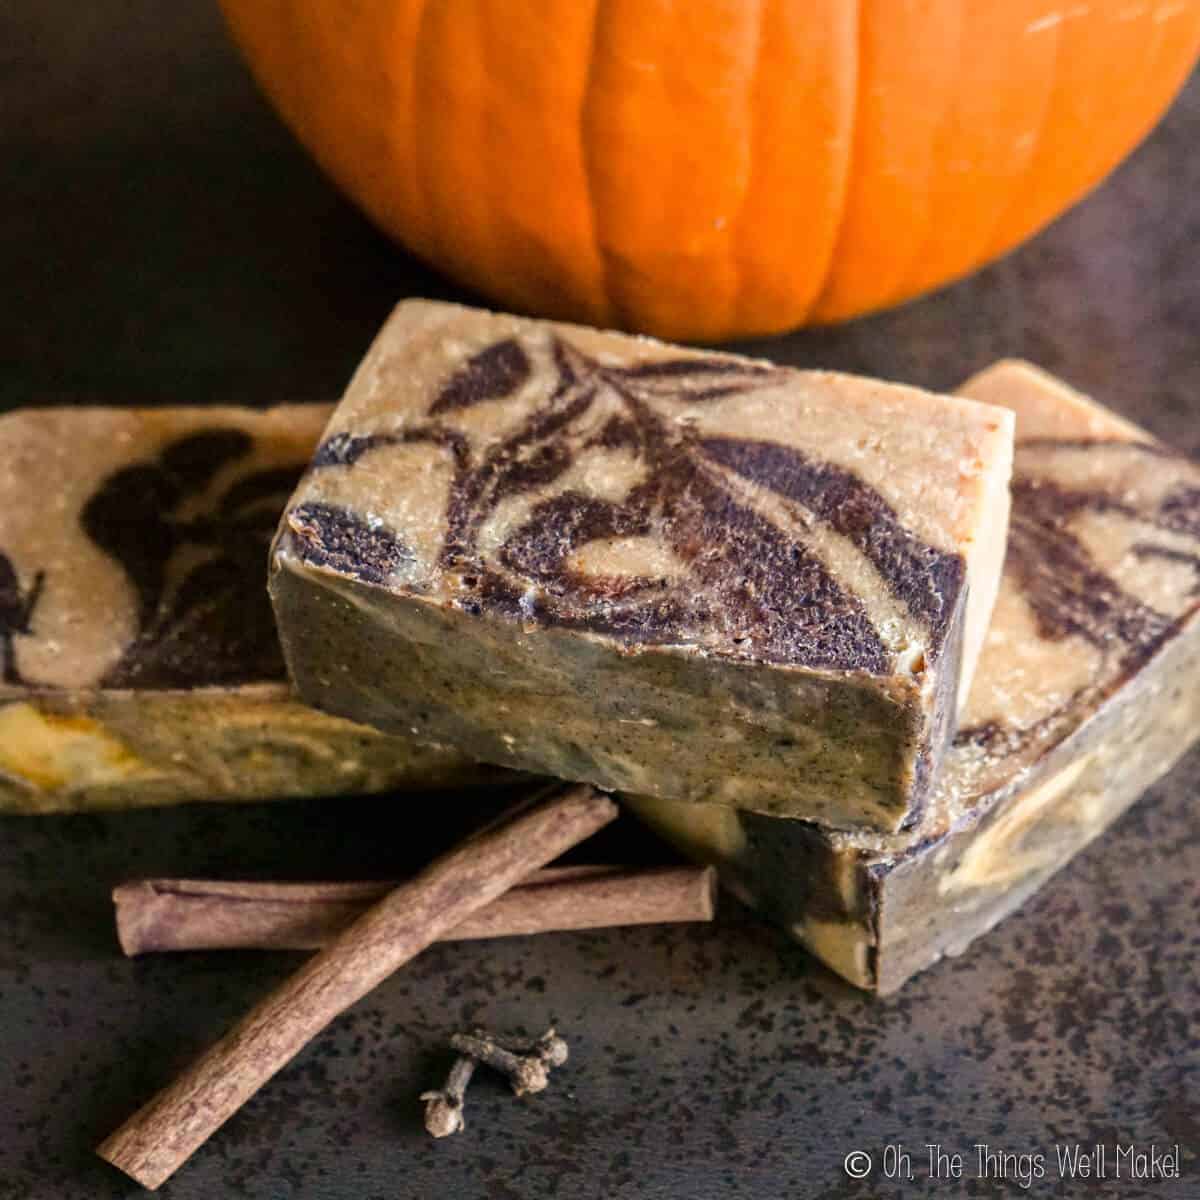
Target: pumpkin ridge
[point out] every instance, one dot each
(906, 63)
(848, 172)
(613, 314)
(924, 225)
(530, 160)
(928, 229)
(1031, 67)
(602, 315)
(751, 90)
(800, 106)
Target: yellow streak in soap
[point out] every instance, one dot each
(708, 832)
(996, 858)
(46, 751)
(840, 944)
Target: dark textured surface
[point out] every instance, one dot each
(161, 239)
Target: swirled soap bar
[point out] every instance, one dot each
(650, 568)
(140, 661)
(1087, 691)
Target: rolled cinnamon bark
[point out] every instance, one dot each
(160, 1137)
(202, 914)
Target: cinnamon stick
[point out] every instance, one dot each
(160, 1137)
(202, 914)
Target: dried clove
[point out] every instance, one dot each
(526, 1064)
(444, 1107)
(550, 1048)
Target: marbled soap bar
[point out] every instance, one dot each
(140, 661)
(1087, 691)
(609, 559)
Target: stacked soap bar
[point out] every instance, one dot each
(1088, 690)
(140, 661)
(654, 569)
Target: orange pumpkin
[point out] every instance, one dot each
(703, 169)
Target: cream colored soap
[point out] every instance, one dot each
(1087, 691)
(140, 661)
(651, 568)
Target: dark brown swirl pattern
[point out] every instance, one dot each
(737, 555)
(196, 558)
(1150, 515)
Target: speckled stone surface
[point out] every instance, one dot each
(162, 239)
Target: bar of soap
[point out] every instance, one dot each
(140, 661)
(650, 568)
(1087, 691)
